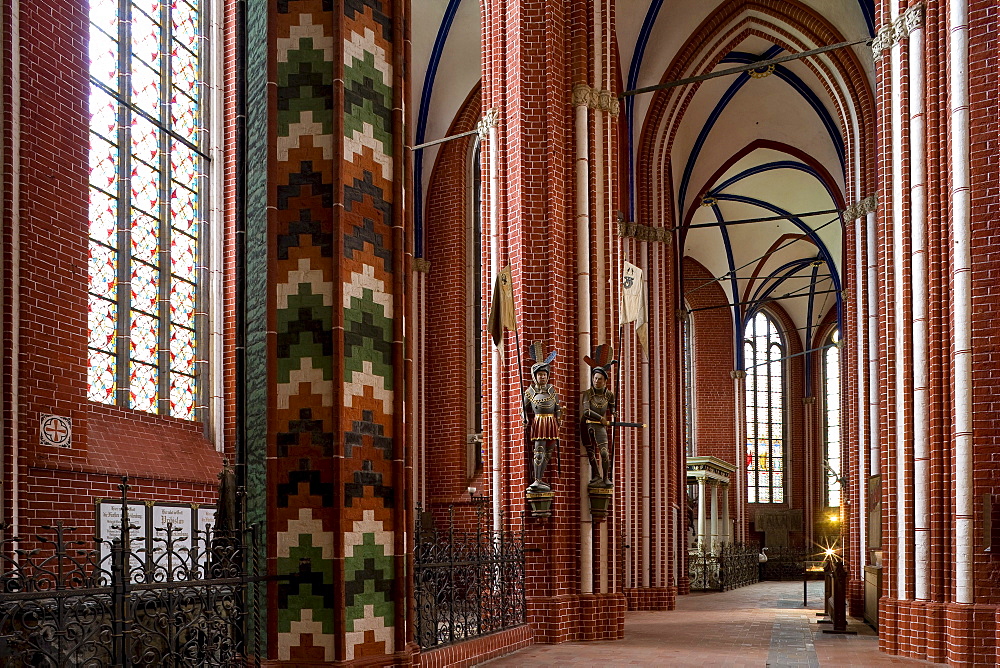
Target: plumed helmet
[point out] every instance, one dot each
(536, 351)
(600, 361)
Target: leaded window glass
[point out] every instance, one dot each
(148, 182)
(475, 292)
(763, 349)
(689, 397)
(831, 420)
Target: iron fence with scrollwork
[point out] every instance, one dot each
(784, 563)
(467, 583)
(66, 600)
(731, 565)
(737, 565)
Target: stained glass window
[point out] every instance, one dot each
(148, 180)
(831, 421)
(475, 291)
(763, 350)
(688, 331)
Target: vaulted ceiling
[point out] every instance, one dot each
(767, 144)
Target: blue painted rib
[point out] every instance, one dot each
(734, 286)
(868, 9)
(809, 331)
(799, 86)
(741, 80)
(425, 102)
(808, 231)
(777, 164)
(632, 84)
(773, 281)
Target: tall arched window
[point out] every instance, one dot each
(831, 420)
(474, 290)
(148, 186)
(689, 396)
(763, 349)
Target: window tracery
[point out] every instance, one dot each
(148, 185)
(831, 421)
(763, 348)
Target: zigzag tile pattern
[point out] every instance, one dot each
(337, 535)
(303, 515)
(367, 303)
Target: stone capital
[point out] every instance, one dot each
(489, 120)
(592, 98)
(895, 32)
(640, 232)
(861, 208)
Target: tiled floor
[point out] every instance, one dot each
(760, 625)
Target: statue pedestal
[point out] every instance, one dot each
(600, 501)
(540, 503)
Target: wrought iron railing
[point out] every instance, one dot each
(784, 563)
(737, 565)
(703, 570)
(467, 583)
(65, 601)
(729, 566)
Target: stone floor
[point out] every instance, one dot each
(761, 625)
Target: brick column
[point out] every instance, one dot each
(327, 329)
(527, 79)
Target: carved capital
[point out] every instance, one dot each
(599, 100)
(629, 230)
(738, 374)
(421, 265)
(909, 21)
(584, 96)
(861, 208)
(607, 102)
(898, 30)
(808, 401)
(489, 120)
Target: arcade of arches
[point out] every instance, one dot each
(229, 230)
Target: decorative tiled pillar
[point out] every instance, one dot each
(329, 443)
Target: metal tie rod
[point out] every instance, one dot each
(765, 219)
(745, 68)
(434, 142)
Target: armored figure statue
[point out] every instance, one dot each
(541, 416)
(597, 407)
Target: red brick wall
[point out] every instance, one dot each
(172, 458)
(985, 184)
(445, 317)
(939, 629)
(713, 361)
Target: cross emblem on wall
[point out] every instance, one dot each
(55, 430)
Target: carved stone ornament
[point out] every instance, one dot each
(489, 120)
(898, 30)
(861, 208)
(642, 232)
(592, 98)
(584, 96)
(421, 265)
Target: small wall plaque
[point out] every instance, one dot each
(55, 430)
